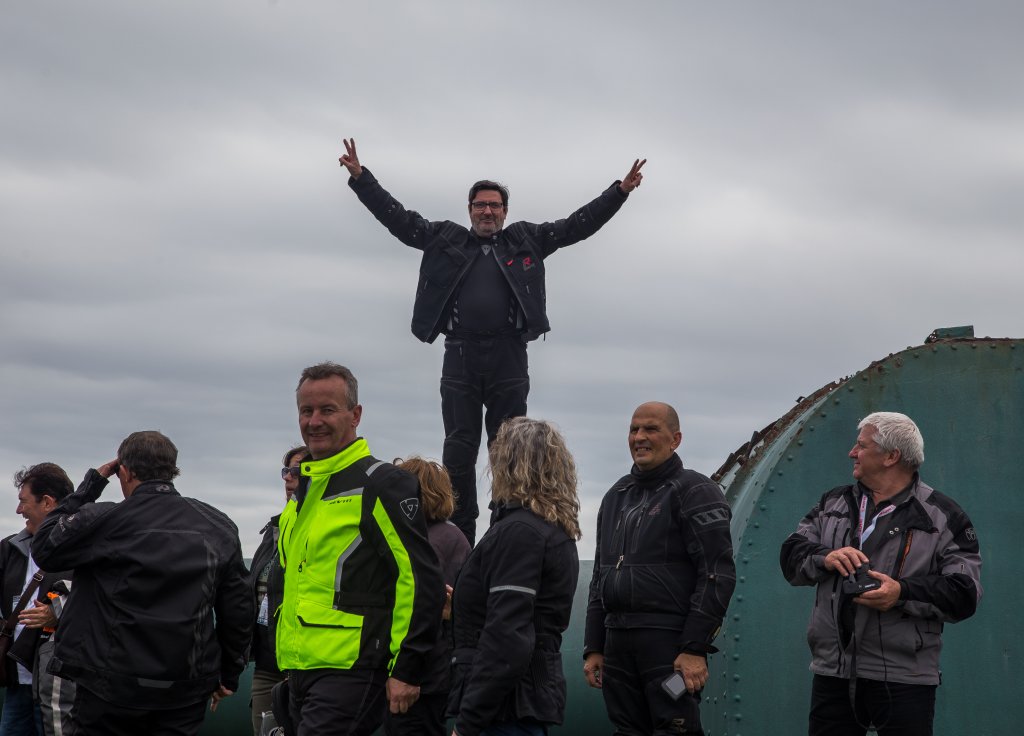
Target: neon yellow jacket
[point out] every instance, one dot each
(362, 586)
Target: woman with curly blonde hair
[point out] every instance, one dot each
(514, 595)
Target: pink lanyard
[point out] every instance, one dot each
(863, 533)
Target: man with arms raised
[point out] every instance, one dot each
(663, 577)
(892, 560)
(483, 288)
(362, 588)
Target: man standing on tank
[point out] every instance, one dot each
(483, 288)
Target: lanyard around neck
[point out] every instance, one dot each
(862, 532)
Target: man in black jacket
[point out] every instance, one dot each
(663, 577)
(160, 614)
(483, 288)
(40, 488)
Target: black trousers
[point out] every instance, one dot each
(97, 717)
(481, 376)
(893, 708)
(636, 662)
(424, 718)
(329, 702)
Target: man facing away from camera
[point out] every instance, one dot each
(160, 614)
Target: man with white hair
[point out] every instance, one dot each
(893, 560)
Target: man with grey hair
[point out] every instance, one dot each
(363, 592)
(893, 560)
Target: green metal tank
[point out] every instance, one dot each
(967, 396)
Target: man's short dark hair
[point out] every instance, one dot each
(327, 369)
(149, 455)
(486, 185)
(45, 479)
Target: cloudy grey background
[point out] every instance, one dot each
(827, 183)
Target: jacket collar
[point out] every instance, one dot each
(356, 450)
(153, 487)
(656, 476)
(22, 541)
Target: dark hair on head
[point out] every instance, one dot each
(149, 455)
(45, 479)
(486, 185)
(436, 495)
(290, 455)
(327, 369)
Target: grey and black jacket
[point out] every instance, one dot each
(927, 543)
(449, 250)
(663, 559)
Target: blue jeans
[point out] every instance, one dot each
(21, 716)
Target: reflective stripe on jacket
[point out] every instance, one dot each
(362, 587)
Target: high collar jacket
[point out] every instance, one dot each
(362, 585)
(663, 559)
(449, 250)
(927, 544)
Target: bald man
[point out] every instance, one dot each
(663, 577)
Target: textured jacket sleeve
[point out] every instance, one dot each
(954, 591)
(594, 631)
(63, 540)
(406, 225)
(419, 588)
(706, 516)
(802, 556)
(578, 226)
(514, 567)
(235, 616)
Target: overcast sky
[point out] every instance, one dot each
(826, 183)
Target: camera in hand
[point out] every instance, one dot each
(860, 582)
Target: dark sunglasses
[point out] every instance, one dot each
(293, 472)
